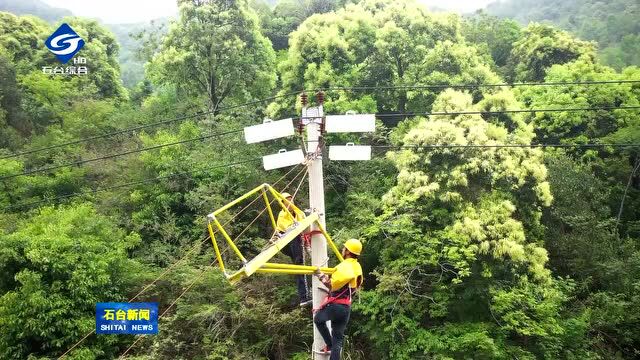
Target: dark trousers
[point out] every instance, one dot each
(338, 314)
(294, 251)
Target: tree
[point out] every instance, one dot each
(497, 35)
(462, 259)
(215, 49)
(606, 22)
(23, 39)
(101, 50)
(380, 43)
(541, 47)
(12, 119)
(585, 244)
(278, 23)
(57, 265)
(581, 127)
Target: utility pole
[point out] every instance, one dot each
(316, 123)
(319, 255)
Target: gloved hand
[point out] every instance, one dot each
(274, 238)
(317, 272)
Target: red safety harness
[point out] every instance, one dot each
(306, 237)
(340, 298)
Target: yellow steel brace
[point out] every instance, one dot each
(272, 250)
(326, 270)
(215, 247)
(268, 204)
(260, 264)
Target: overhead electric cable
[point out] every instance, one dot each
(80, 162)
(145, 126)
(438, 146)
(193, 248)
(496, 112)
(129, 184)
(470, 85)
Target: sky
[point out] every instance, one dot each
(119, 11)
(129, 11)
(462, 6)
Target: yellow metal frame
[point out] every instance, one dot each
(260, 263)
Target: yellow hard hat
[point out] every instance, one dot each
(354, 246)
(286, 195)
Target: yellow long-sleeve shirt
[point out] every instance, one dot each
(285, 220)
(347, 272)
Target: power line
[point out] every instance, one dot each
(496, 112)
(354, 88)
(96, 137)
(80, 162)
(198, 277)
(125, 185)
(447, 146)
(183, 258)
(468, 85)
(145, 126)
(475, 112)
(515, 111)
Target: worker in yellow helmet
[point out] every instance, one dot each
(342, 284)
(294, 249)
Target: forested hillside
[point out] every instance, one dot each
(612, 24)
(131, 38)
(34, 7)
(499, 212)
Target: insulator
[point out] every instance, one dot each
(320, 97)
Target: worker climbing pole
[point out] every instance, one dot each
(310, 228)
(312, 117)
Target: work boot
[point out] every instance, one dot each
(306, 302)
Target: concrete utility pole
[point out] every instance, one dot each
(316, 123)
(314, 117)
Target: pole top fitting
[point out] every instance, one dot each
(304, 98)
(320, 97)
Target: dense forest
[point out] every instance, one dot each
(612, 24)
(499, 213)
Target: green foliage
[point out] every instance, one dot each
(12, 120)
(496, 35)
(101, 51)
(470, 252)
(217, 321)
(541, 47)
(381, 43)
(131, 38)
(57, 265)
(286, 16)
(23, 38)
(627, 53)
(582, 127)
(613, 24)
(584, 242)
(215, 49)
(460, 229)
